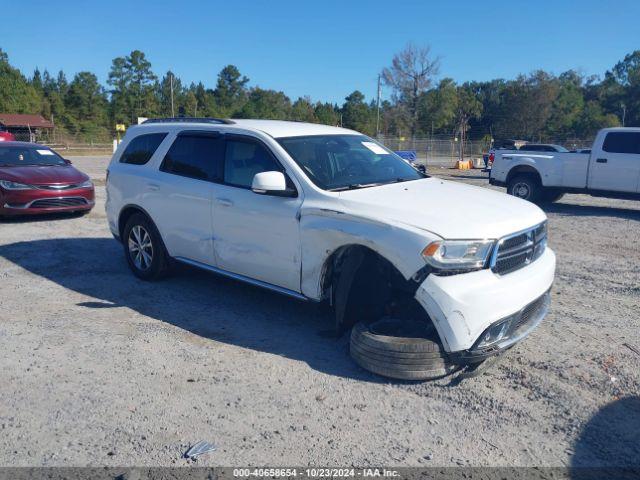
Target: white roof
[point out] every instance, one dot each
(274, 128)
(281, 128)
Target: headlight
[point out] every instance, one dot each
(7, 185)
(458, 254)
(87, 184)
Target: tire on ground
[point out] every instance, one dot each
(408, 356)
(160, 259)
(526, 187)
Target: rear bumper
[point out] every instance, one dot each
(464, 306)
(497, 183)
(36, 202)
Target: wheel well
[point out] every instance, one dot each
(362, 285)
(126, 214)
(524, 170)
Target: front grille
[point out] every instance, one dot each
(59, 202)
(531, 311)
(519, 250)
(56, 187)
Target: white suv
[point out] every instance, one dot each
(324, 213)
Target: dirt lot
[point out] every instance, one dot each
(99, 368)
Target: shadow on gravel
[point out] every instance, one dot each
(210, 306)
(591, 211)
(610, 440)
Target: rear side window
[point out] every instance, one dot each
(622, 142)
(245, 158)
(196, 156)
(141, 149)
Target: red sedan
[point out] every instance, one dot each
(34, 179)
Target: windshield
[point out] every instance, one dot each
(26, 156)
(341, 162)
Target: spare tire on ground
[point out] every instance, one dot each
(403, 349)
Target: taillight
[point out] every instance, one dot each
(492, 157)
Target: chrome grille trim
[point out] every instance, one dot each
(53, 202)
(519, 249)
(57, 187)
(58, 202)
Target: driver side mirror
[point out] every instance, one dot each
(272, 183)
(67, 161)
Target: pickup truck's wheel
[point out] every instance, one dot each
(144, 249)
(525, 187)
(399, 349)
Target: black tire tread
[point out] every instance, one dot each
(419, 356)
(404, 358)
(395, 344)
(387, 370)
(405, 363)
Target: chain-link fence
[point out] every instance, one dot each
(445, 150)
(25, 136)
(441, 150)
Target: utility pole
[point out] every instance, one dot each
(624, 112)
(171, 86)
(378, 108)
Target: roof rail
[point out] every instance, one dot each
(189, 120)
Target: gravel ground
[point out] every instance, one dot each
(99, 368)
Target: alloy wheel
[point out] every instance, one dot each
(140, 247)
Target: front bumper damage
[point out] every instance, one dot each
(480, 314)
(505, 333)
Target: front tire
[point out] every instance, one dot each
(525, 187)
(144, 249)
(399, 349)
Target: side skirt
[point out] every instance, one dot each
(242, 278)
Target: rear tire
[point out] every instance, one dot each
(144, 249)
(525, 187)
(408, 356)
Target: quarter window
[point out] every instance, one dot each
(195, 156)
(622, 142)
(141, 149)
(245, 158)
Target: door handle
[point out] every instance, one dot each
(602, 160)
(152, 187)
(225, 202)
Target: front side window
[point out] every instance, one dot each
(141, 149)
(243, 159)
(340, 162)
(195, 156)
(622, 142)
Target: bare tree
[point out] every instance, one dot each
(410, 74)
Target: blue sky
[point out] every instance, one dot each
(322, 48)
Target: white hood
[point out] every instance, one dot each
(448, 209)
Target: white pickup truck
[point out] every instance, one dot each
(612, 169)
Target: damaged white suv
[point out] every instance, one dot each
(433, 274)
